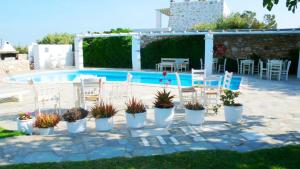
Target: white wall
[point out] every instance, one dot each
(51, 56)
(184, 15)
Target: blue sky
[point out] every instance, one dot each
(25, 21)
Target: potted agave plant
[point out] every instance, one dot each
(232, 110)
(135, 113)
(25, 122)
(103, 114)
(46, 123)
(194, 113)
(164, 108)
(76, 119)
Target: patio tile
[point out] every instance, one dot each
(149, 132)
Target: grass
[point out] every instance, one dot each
(277, 158)
(9, 133)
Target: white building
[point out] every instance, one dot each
(185, 14)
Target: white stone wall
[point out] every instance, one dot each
(51, 56)
(186, 14)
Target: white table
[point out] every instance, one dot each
(165, 65)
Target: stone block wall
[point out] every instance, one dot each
(184, 15)
(265, 46)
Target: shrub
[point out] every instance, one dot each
(194, 106)
(228, 98)
(135, 106)
(103, 111)
(46, 120)
(163, 100)
(75, 114)
(57, 38)
(112, 52)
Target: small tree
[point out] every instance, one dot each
(290, 4)
(57, 38)
(21, 49)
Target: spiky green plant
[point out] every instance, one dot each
(163, 100)
(103, 110)
(134, 106)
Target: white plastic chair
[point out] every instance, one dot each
(198, 76)
(263, 71)
(215, 65)
(180, 65)
(45, 97)
(185, 90)
(285, 72)
(238, 66)
(222, 68)
(275, 68)
(91, 91)
(212, 93)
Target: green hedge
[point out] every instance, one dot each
(112, 52)
(191, 47)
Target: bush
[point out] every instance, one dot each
(21, 49)
(245, 20)
(112, 52)
(191, 47)
(103, 111)
(135, 106)
(57, 38)
(75, 114)
(46, 120)
(194, 106)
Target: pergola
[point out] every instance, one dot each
(208, 37)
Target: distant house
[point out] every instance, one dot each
(7, 50)
(185, 14)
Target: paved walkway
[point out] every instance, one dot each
(271, 119)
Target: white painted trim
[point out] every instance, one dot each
(209, 53)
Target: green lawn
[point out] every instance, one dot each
(279, 158)
(9, 133)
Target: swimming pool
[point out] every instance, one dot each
(153, 78)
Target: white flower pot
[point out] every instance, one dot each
(195, 117)
(233, 114)
(163, 117)
(104, 124)
(136, 120)
(77, 126)
(25, 126)
(46, 131)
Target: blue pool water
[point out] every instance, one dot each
(111, 75)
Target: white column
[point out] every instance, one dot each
(136, 53)
(158, 19)
(209, 53)
(298, 73)
(78, 44)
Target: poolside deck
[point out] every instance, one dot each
(271, 119)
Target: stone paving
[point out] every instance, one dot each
(271, 119)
